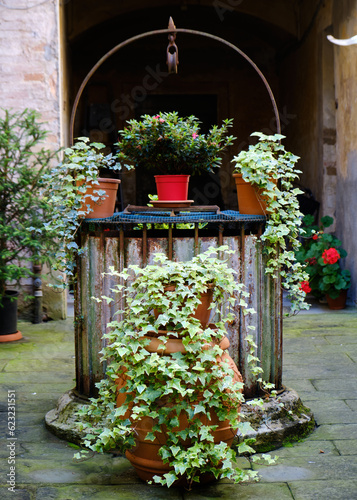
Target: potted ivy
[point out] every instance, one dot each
(173, 148)
(322, 252)
(23, 162)
(172, 395)
(75, 191)
(268, 171)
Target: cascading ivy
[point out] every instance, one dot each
(64, 190)
(272, 169)
(165, 387)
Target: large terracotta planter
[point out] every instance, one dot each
(8, 317)
(104, 207)
(339, 302)
(202, 312)
(250, 198)
(172, 187)
(145, 455)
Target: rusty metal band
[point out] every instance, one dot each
(159, 32)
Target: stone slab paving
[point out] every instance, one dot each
(320, 363)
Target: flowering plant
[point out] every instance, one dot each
(168, 144)
(322, 253)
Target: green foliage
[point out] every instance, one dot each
(272, 169)
(324, 278)
(168, 144)
(65, 191)
(166, 387)
(23, 163)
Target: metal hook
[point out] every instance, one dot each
(172, 50)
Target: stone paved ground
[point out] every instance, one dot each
(320, 363)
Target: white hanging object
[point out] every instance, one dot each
(345, 42)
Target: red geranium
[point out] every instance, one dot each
(330, 256)
(311, 261)
(315, 237)
(305, 287)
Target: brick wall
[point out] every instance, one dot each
(29, 60)
(30, 78)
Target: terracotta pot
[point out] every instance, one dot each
(339, 302)
(172, 187)
(145, 455)
(250, 199)
(105, 206)
(202, 312)
(8, 317)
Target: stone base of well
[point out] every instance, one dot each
(281, 419)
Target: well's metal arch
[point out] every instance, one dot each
(170, 31)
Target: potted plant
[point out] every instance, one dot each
(23, 162)
(173, 148)
(270, 170)
(172, 395)
(322, 253)
(74, 191)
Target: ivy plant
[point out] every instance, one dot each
(64, 190)
(269, 167)
(23, 164)
(165, 387)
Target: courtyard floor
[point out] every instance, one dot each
(320, 363)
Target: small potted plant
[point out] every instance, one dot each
(268, 172)
(23, 163)
(173, 148)
(172, 395)
(74, 191)
(322, 253)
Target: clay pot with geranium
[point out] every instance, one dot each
(173, 148)
(322, 253)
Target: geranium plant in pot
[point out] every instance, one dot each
(322, 253)
(75, 191)
(173, 148)
(23, 162)
(270, 170)
(172, 395)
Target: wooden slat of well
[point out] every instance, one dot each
(233, 329)
(249, 264)
(120, 251)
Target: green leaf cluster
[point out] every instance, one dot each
(324, 279)
(23, 165)
(65, 192)
(269, 167)
(169, 388)
(169, 144)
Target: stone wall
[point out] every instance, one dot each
(30, 75)
(345, 26)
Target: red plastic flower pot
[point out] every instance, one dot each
(172, 187)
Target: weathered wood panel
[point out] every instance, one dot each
(102, 251)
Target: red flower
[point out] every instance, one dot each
(315, 237)
(330, 256)
(305, 287)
